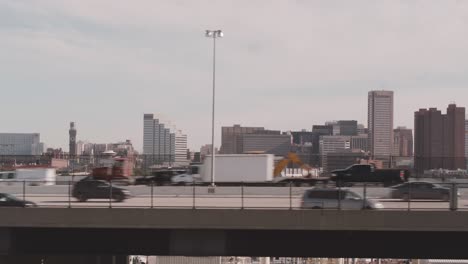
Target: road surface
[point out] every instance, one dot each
(200, 197)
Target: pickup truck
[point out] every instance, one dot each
(368, 173)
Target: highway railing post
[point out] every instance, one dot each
(110, 194)
(409, 196)
(69, 194)
(453, 198)
(290, 195)
(364, 195)
(193, 195)
(24, 190)
(242, 195)
(152, 193)
(339, 197)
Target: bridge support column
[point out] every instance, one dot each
(8, 259)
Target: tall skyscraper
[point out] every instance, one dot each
(380, 124)
(72, 140)
(402, 142)
(162, 142)
(439, 140)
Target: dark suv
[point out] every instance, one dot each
(95, 189)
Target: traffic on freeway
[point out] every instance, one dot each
(416, 195)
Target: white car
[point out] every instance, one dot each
(332, 198)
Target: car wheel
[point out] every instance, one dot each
(316, 207)
(405, 197)
(445, 197)
(304, 184)
(81, 197)
(119, 198)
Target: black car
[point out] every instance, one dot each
(8, 200)
(96, 189)
(420, 190)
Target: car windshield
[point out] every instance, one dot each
(352, 195)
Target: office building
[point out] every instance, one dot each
(333, 143)
(359, 143)
(317, 132)
(329, 144)
(21, 144)
(229, 137)
(239, 140)
(161, 142)
(380, 124)
(402, 142)
(72, 140)
(343, 127)
(439, 140)
(206, 150)
(277, 144)
(362, 130)
(302, 137)
(348, 127)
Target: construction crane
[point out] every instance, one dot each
(290, 158)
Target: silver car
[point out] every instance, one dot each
(333, 198)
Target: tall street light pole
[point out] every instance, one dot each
(214, 34)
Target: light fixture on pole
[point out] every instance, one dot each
(214, 34)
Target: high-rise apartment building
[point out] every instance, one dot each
(161, 142)
(380, 124)
(439, 140)
(181, 149)
(21, 144)
(402, 142)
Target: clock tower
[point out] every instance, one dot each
(72, 133)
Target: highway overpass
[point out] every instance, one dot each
(232, 232)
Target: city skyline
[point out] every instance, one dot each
(78, 63)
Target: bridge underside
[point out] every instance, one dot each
(297, 243)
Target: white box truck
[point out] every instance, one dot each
(239, 168)
(36, 176)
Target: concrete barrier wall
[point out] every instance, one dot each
(235, 219)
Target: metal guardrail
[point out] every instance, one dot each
(63, 194)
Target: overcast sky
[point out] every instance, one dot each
(283, 65)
